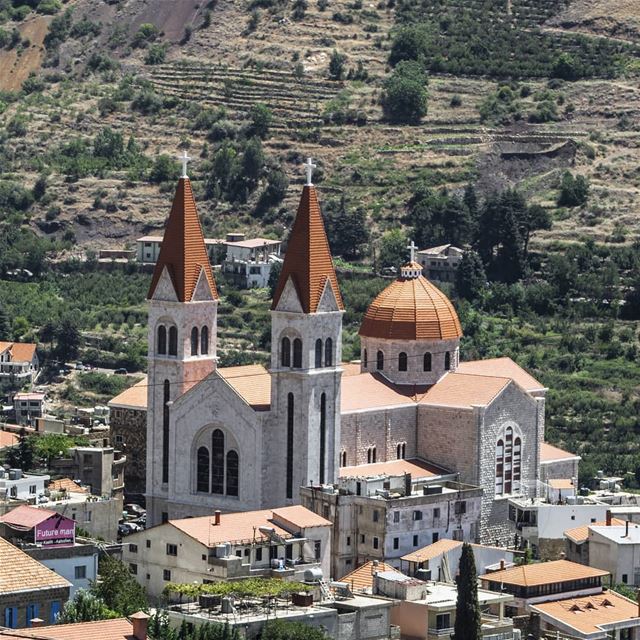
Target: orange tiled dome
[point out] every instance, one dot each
(411, 308)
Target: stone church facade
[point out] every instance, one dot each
(250, 437)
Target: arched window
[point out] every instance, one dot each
(290, 445)
(318, 353)
(365, 359)
(297, 353)
(369, 455)
(204, 340)
(161, 346)
(517, 459)
(323, 434)
(508, 460)
(399, 451)
(426, 363)
(194, 341)
(373, 454)
(173, 341)
(380, 361)
(508, 463)
(166, 396)
(404, 450)
(447, 361)
(202, 475)
(343, 459)
(217, 462)
(402, 361)
(233, 473)
(285, 352)
(328, 353)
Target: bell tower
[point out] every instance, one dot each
(306, 354)
(182, 334)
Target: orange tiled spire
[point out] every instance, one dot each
(183, 251)
(308, 259)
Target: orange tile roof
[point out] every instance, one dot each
(411, 309)
(20, 572)
(26, 516)
(252, 383)
(134, 397)
(116, 629)
(183, 251)
(549, 453)
(8, 439)
(530, 575)
(20, 351)
(244, 525)
(66, 484)
(501, 368)
(590, 614)
(362, 578)
(432, 551)
(416, 467)
(464, 391)
(371, 390)
(580, 535)
(308, 258)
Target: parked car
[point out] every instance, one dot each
(135, 509)
(121, 372)
(126, 528)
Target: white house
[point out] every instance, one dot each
(28, 407)
(15, 484)
(440, 263)
(616, 549)
(249, 261)
(18, 361)
(148, 248)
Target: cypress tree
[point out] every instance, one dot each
(468, 625)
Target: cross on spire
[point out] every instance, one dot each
(309, 166)
(184, 158)
(412, 248)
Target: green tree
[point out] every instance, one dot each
(5, 325)
(109, 144)
(347, 229)
(566, 67)
(21, 455)
(156, 54)
(253, 161)
(50, 446)
(468, 624)
(393, 249)
(164, 168)
(471, 278)
(85, 607)
(118, 588)
(573, 191)
(411, 43)
(405, 93)
(261, 118)
(274, 275)
(337, 65)
(68, 340)
(39, 188)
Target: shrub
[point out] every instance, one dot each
(156, 54)
(573, 191)
(164, 168)
(146, 33)
(336, 65)
(405, 93)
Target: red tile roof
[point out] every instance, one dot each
(20, 351)
(464, 391)
(134, 397)
(252, 383)
(501, 368)
(308, 259)
(26, 517)
(116, 629)
(549, 453)
(411, 309)
(579, 535)
(362, 578)
(432, 551)
(530, 575)
(416, 467)
(183, 250)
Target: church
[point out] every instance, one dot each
(249, 437)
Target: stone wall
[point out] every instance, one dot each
(41, 597)
(128, 432)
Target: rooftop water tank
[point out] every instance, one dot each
(313, 574)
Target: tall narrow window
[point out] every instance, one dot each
(285, 352)
(318, 353)
(323, 434)
(365, 358)
(500, 467)
(202, 474)
(162, 340)
(447, 361)
(426, 362)
(373, 454)
(233, 473)
(380, 361)
(194, 341)
(217, 462)
(402, 361)
(399, 451)
(369, 455)
(517, 459)
(328, 352)
(290, 445)
(343, 459)
(173, 341)
(297, 353)
(508, 460)
(204, 340)
(404, 450)
(166, 395)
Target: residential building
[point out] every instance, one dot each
(248, 262)
(556, 464)
(134, 628)
(148, 249)
(616, 549)
(18, 361)
(28, 589)
(128, 433)
(440, 263)
(28, 406)
(283, 543)
(531, 584)
(440, 561)
(17, 485)
(50, 538)
(577, 539)
(427, 610)
(387, 509)
(100, 469)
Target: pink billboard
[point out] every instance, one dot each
(56, 530)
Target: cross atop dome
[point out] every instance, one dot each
(184, 158)
(412, 248)
(309, 166)
(411, 269)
